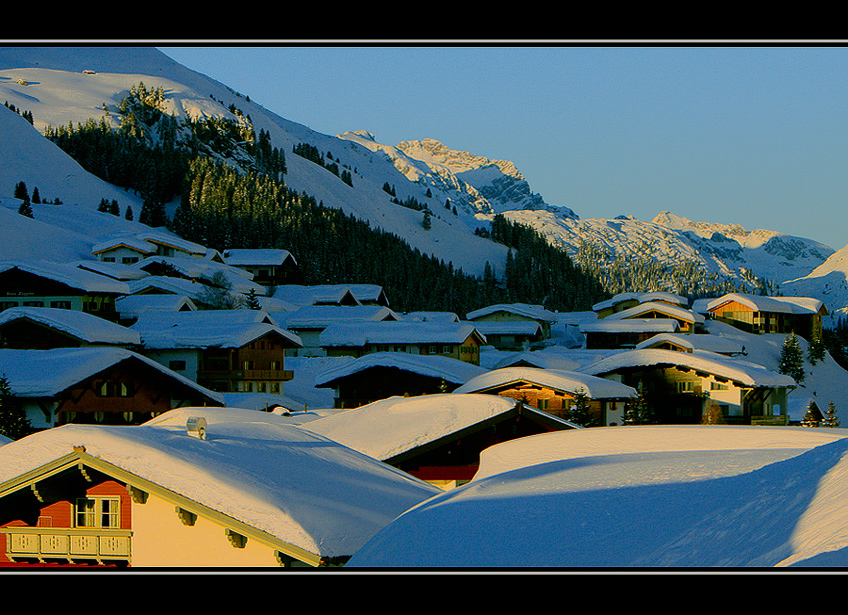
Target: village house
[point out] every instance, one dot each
(759, 314)
(381, 375)
(43, 328)
(459, 341)
(269, 267)
(197, 487)
(58, 285)
(104, 385)
(625, 301)
(555, 391)
(310, 321)
(514, 336)
(692, 342)
(223, 350)
(610, 333)
(682, 386)
(128, 249)
(436, 438)
(688, 321)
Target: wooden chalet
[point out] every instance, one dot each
(42, 328)
(310, 321)
(58, 285)
(103, 385)
(437, 438)
(381, 375)
(515, 313)
(554, 391)
(223, 350)
(681, 386)
(269, 267)
(461, 341)
(611, 333)
(759, 314)
(625, 301)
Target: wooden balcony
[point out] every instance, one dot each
(69, 544)
(268, 375)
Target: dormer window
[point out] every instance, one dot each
(98, 512)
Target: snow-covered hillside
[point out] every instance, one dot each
(79, 84)
(463, 190)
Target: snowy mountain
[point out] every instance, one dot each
(461, 190)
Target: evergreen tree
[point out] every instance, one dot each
(811, 416)
(830, 418)
(817, 349)
(251, 302)
(639, 409)
(792, 358)
(21, 191)
(580, 411)
(25, 209)
(14, 423)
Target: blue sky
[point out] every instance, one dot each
(754, 135)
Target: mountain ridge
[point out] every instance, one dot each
(440, 178)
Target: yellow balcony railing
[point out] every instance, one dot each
(71, 544)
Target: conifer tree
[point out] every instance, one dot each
(792, 358)
(14, 423)
(580, 411)
(830, 418)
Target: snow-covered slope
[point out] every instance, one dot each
(62, 85)
(57, 92)
(623, 497)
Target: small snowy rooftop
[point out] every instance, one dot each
(81, 325)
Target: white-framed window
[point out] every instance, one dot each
(98, 512)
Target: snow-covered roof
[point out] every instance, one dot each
(207, 328)
(562, 380)
(136, 304)
(69, 275)
(786, 305)
(321, 316)
(201, 268)
(168, 285)
(447, 368)
(743, 372)
(508, 327)
(781, 487)
(672, 311)
(641, 298)
(297, 486)
(245, 257)
(535, 312)
(699, 341)
(172, 241)
(406, 423)
(116, 271)
(81, 325)
(396, 332)
(133, 243)
(632, 325)
(45, 373)
(432, 316)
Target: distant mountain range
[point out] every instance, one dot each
(461, 191)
